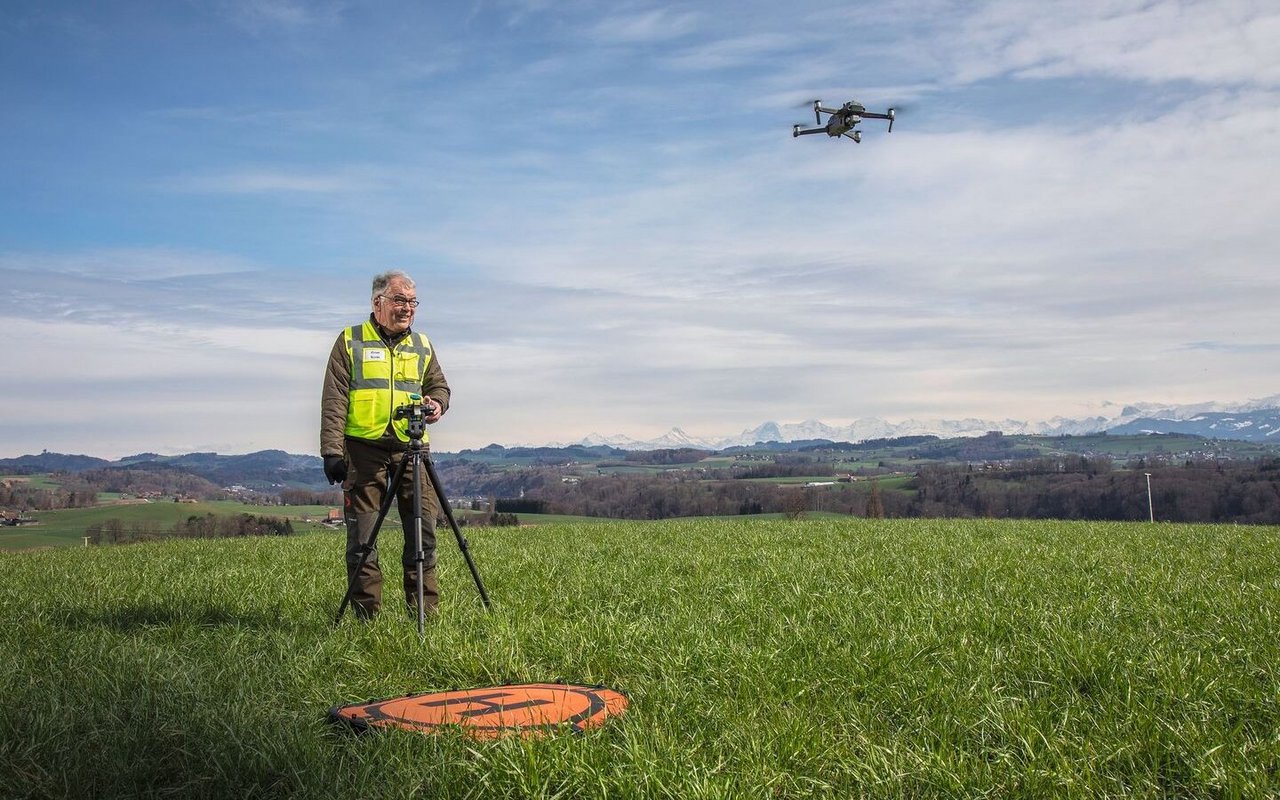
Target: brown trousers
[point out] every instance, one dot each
(370, 464)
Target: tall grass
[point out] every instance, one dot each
(762, 658)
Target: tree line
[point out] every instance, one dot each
(311, 497)
(681, 494)
(81, 489)
(1067, 487)
(196, 526)
(1059, 487)
(1083, 488)
(152, 480)
(72, 492)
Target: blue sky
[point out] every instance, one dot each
(613, 230)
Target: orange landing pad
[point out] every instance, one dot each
(527, 709)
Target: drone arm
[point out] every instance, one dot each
(889, 115)
(798, 131)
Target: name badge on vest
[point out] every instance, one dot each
(375, 355)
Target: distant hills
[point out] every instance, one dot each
(266, 469)
(1252, 421)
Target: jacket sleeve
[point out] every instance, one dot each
(433, 383)
(333, 400)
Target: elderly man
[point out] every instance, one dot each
(373, 369)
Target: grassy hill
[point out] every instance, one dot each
(762, 658)
(65, 527)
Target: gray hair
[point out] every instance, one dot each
(380, 282)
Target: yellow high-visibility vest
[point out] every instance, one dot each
(382, 378)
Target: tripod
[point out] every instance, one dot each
(418, 458)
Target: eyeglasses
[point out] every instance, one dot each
(400, 301)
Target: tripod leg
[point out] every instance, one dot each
(417, 515)
(418, 556)
(462, 541)
(370, 545)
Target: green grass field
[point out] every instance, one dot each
(34, 481)
(65, 527)
(827, 658)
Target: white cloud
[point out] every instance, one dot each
(270, 181)
(171, 291)
(261, 17)
(1202, 41)
(627, 238)
(652, 25)
(733, 51)
(122, 390)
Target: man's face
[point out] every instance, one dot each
(393, 309)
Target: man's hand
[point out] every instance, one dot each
(433, 410)
(335, 469)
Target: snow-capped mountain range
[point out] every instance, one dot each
(1253, 420)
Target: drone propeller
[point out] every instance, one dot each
(815, 104)
(894, 111)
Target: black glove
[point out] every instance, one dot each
(335, 469)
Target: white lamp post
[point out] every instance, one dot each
(1151, 509)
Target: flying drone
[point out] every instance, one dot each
(842, 120)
